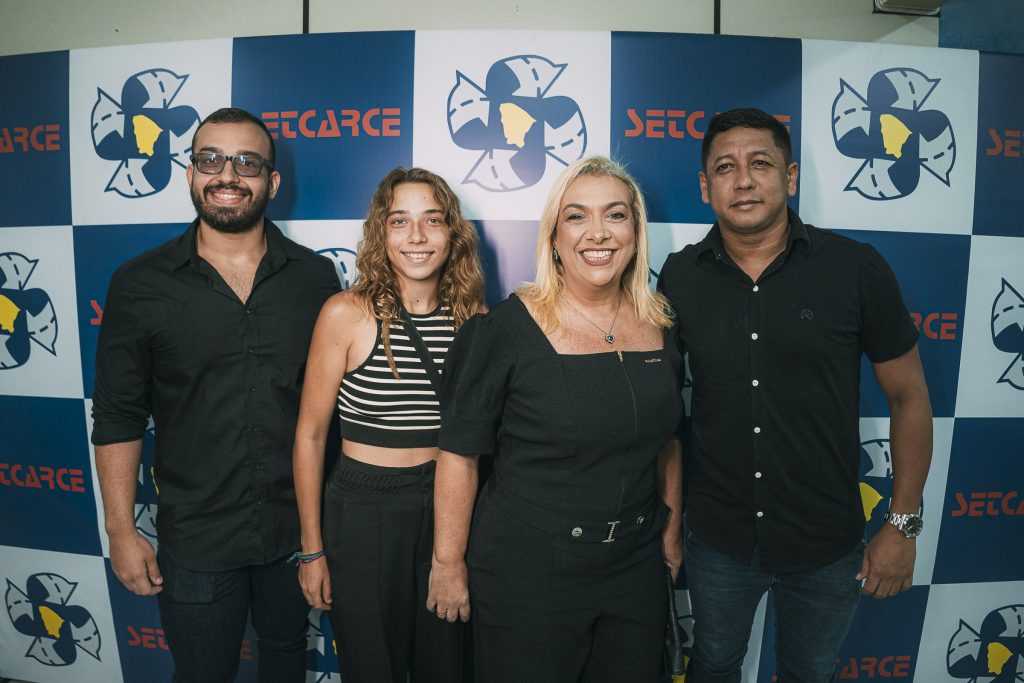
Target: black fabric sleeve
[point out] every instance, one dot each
(474, 386)
(121, 398)
(674, 337)
(887, 332)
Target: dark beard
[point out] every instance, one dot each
(232, 221)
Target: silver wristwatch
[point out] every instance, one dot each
(910, 525)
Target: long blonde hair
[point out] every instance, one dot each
(462, 281)
(651, 307)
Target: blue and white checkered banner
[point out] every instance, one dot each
(917, 151)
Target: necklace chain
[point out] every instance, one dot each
(608, 336)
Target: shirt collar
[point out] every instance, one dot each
(183, 250)
(712, 242)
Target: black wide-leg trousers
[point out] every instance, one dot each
(378, 533)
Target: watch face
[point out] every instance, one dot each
(912, 527)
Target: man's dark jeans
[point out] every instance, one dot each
(813, 611)
(204, 615)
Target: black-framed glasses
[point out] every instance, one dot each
(245, 165)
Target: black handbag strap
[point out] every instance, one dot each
(433, 373)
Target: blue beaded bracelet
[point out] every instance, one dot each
(298, 557)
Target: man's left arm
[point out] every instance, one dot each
(888, 566)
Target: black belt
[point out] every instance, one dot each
(574, 528)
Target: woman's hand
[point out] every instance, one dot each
(316, 583)
(448, 591)
(672, 549)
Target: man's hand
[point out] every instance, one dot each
(672, 549)
(448, 591)
(134, 563)
(316, 583)
(888, 565)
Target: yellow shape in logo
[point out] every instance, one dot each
(998, 656)
(152, 475)
(515, 123)
(51, 621)
(894, 134)
(869, 498)
(8, 313)
(146, 133)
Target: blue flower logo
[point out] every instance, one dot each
(893, 133)
(143, 132)
(994, 653)
(515, 123)
(58, 629)
(26, 314)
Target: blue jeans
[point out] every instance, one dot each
(204, 615)
(813, 611)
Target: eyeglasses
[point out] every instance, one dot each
(245, 165)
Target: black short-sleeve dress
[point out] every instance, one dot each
(567, 528)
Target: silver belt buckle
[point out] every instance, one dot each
(611, 531)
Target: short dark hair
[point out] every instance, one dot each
(236, 115)
(746, 117)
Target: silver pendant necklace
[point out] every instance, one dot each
(608, 336)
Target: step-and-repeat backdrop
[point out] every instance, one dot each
(915, 150)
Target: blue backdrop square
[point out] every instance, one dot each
(99, 251)
(47, 494)
(981, 517)
(1000, 172)
(665, 89)
(35, 164)
(341, 106)
(932, 273)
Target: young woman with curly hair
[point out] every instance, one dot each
(375, 356)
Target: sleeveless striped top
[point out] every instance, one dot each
(379, 410)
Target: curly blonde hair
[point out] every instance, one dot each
(544, 292)
(461, 288)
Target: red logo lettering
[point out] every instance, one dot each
(676, 123)
(146, 637)
(989, 504)
(245, 653)
(941, 326)
(42, 476)
(889, 666)
(41, 138)
(1006, 144)
(375, 122)
(97, 310)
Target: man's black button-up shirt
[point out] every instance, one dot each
(774, 447)
(222, 380)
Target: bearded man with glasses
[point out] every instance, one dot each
(208, 334)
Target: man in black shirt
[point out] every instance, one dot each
(208, 334)
(775, 315)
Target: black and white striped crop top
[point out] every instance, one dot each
(379, 410)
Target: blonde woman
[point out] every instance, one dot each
(375, 356)
(572, 386)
